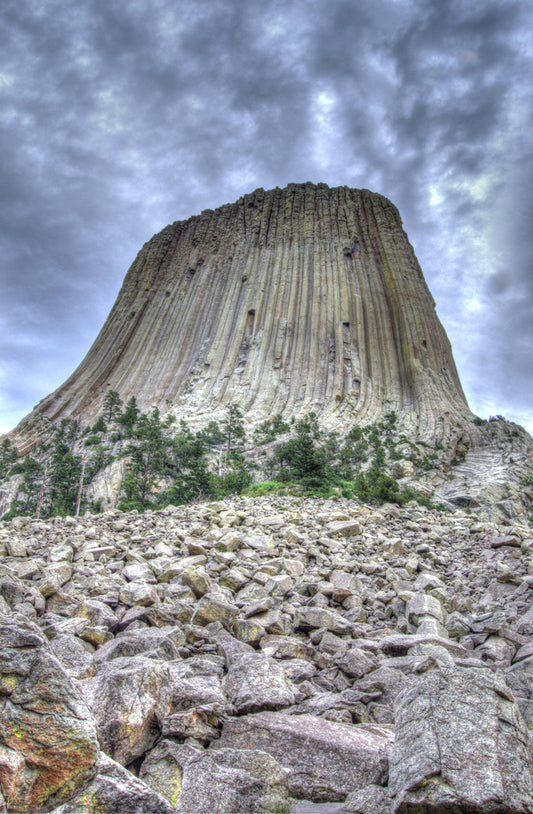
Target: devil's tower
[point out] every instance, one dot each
(287, 301)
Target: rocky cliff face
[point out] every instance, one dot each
(287, 301)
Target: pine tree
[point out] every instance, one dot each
(111, 405)
(8, 456)
(128, 419)
(65, 468)
(149, 460)
(234, 431)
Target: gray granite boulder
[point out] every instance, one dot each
(326, 760)
(48, 740)
(128, 698)
(114, 790)
(460, 745)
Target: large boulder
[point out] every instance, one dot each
(114, 790)
(162, 643)
(216, 782)
(128, 698)
(48, 741)
(326, 760)
(460, 745)
(195, 698)
(254, 681)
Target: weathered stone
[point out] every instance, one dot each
(460, 743)
(128, 699)
(211, 608)
(114, 790)
(356, 663)
(162, 768)
(309, 618)
(162, 643)
(287, 647)
(197, 579)
(326, 760)
(195, 701)
(233, 780)
(340, 528)
(249, 631)
(75, 657)
(370, 800)
(138, 593)
(48, 741)
(424, 605)
(254, 681)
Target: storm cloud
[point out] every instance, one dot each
(118, 118)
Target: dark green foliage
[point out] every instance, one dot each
(233, 430)
(148, 460)
(99, 426)
(64, 471)
(51, 477)
(397, 471)
(111, 406)
(192, 478)
(269, 430)
(266, 487)
(234, 482)
(128, 419)
(212, 435)
(91, 441)
(26, 501)
(299, 459)
(8, 456)
(98, 459)
(169, 464)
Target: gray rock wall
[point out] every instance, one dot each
(287, 301)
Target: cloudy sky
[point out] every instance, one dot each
(120, 116)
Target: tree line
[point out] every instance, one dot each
(167, 463)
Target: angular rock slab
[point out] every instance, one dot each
(225, 780)
(48, 741)
(326, 760)
(460, 745)
(114, 790)
(254, 681)
(233, 780)
(128, 699)
(370, 800)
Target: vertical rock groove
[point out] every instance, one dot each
(292, 300)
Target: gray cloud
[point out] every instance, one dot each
(116, 119)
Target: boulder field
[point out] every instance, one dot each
(266, 654)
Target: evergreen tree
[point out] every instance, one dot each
(27, 497)
(65, 469)
(299, 459)
(234, 431)
(128, 419)
(149, 460)
(99, 426)
(111, 405)
(8, 456)
(192, 478)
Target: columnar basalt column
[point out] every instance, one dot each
(288, 301)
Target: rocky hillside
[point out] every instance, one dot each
(266, 654)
